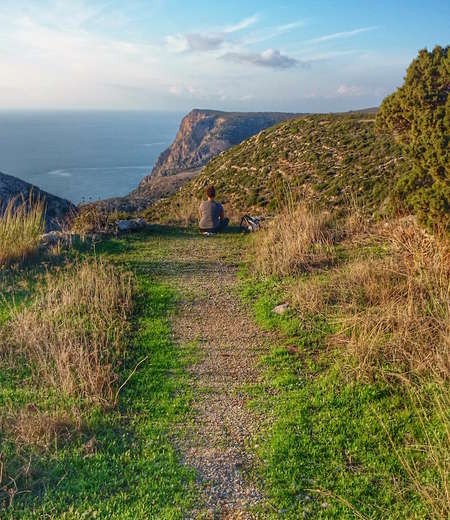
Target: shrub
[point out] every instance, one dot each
(418, 114)
(21, 228)
(73, 334)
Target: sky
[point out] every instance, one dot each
(283, 55)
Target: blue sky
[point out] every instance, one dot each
(290, 55)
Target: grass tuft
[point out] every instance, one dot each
(72, 335)
(21, 227)
(298, 239)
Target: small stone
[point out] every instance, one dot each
(134, 224)
(281, 309)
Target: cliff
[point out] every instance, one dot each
(57, 209)
(204, 134)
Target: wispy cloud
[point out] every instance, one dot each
(243, 24)
(273, 32)
(269, 58)
(350, 90)
(343, 34)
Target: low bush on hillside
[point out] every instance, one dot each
(96, 219)
(21, 228)
(72, 336)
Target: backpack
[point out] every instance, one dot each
(250, 224)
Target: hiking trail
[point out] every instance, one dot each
(211, 316)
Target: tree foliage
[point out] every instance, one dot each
(418, 114)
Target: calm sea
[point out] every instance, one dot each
(84, 156)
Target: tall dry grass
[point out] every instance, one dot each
(73, 334)
(21, 227)
(393, 309)
(404, 330)
(299, 239)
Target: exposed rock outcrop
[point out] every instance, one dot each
(57, 209)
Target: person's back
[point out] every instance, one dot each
(212, 218)
(210, 213)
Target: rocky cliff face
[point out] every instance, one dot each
(204, 134)
(57, 209)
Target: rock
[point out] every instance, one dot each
(281, 309)
(127, 226)
(58, 210)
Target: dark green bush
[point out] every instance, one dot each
(418, 115)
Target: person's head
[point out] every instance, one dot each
(210, 192)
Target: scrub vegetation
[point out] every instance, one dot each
(119, 398)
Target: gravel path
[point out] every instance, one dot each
(231, 345)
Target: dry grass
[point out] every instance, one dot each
(394, 310)
(404, 328)
(43, 429)
(21, 227)
(298, 239)
(92, 218)
(73, 335)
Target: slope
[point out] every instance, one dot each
(326, 157)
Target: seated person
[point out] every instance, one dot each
(212, 217)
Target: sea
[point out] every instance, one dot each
(84, 156)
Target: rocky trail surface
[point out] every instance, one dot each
(230, 346)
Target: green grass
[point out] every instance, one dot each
(327, 450)
(136, 471)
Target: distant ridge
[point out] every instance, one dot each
(57, 209)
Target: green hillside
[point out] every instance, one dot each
(326, 157)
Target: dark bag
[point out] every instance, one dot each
(250, 224)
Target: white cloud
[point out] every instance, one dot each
(350, 90)
(206, 41)
(343, 34)
(194, 42)
(270, 58)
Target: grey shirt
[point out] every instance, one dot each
(210, 212)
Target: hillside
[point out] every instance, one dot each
(203, 134)
(57, 209)
(327, 157)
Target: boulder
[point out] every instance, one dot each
(134, 224)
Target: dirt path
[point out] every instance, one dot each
(231, 345)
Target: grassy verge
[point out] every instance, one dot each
(21, 227)
(335, 447)
(119, 462)
(354, 433)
